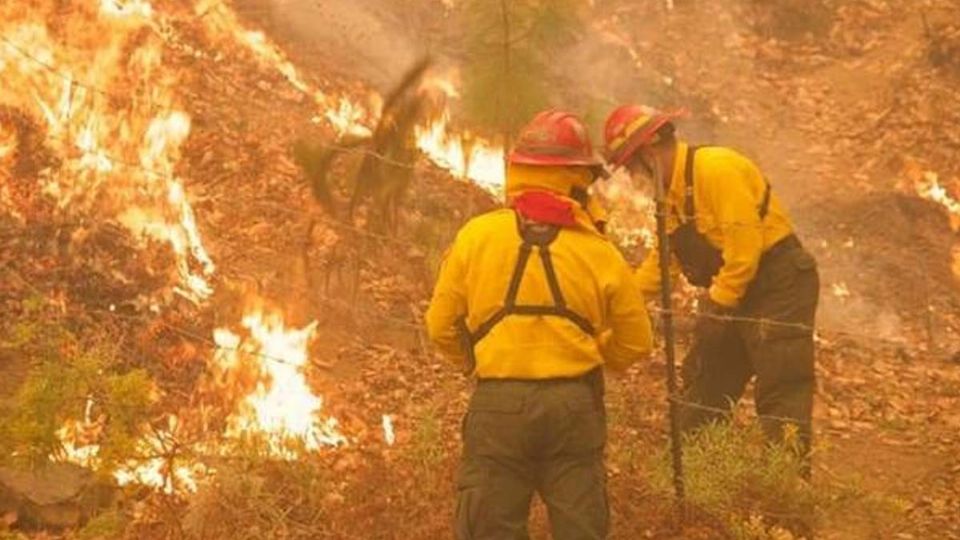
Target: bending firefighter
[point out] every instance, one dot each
(730, 235)
(536, 301)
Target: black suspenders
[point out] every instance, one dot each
(699, 259)
(689, 210)
(539, 236)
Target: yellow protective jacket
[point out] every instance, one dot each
(728, 191)
(595, 280)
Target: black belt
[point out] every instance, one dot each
(784, 245)
(589, 377)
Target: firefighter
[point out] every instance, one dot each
(730, 236)
(535, 301)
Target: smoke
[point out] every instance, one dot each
(696, 54)
(371, 40)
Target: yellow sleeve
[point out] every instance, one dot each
(630, 337)
(448, 305)
(648, 274)
(735, 207)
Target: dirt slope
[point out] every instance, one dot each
(819, 110)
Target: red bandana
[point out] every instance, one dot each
(544, 207)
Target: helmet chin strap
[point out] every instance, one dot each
(581, 195)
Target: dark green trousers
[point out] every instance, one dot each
(779, 352)
(522, 437)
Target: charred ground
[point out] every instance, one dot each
(834, 108)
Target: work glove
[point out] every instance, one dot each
(713, 322)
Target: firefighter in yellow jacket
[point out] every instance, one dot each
(730, 235)
(535, 301)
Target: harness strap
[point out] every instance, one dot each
(533, 234)
(689, 209)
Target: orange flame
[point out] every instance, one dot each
(282, 407)
(462, 154)
(93, 137)
(928, 186)
(162, 471)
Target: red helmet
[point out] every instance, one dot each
(631, 126)
(554, 138)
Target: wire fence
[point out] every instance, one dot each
(729, 411)
(397, 241)
(353, 150)
(900, 344)
(200, 339)
(170, 449)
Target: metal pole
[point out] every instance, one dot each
(666, 303)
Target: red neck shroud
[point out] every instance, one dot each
(545, 207)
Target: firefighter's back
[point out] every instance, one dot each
(589, 274)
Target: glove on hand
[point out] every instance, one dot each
(713, 321)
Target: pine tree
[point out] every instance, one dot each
(511, 46)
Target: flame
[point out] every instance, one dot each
(221, 21)
(478, 160)
(131, 8)
(388, 433)
(77, 439)
(463, 154)
(64, 88)
(112, 113)
(162, 471)
(928, 186)
(282, 406)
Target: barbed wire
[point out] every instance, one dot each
(729, 412)
(340, 148)
(198, 338)
(144, 319)
(54, 71)
(125, 97)
(817, 332)
(392, 239)
(901, 344)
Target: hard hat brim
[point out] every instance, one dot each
(524, 158)
(643, 137)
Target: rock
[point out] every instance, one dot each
(56, 496)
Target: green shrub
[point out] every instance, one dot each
(753, 487)
(756, 490)
(70, 378)
(106, 526)
(257, 497)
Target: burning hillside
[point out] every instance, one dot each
(187, 326)
(97, 109)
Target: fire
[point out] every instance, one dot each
(162, 470)
(389, 435)
(464, 155)
(130, 8)
(221, 21)
(112, 113)
(282, 406)
(928, 186)
(66, 89)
